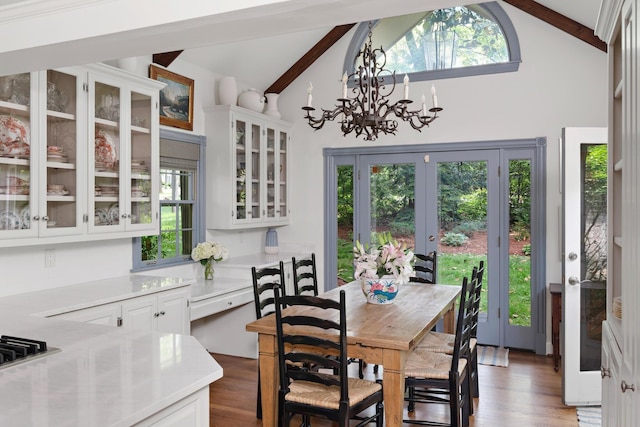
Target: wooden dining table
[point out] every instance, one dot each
(378, 334)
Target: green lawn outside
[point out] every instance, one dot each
(453, 267)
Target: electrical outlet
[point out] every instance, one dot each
(49, 258)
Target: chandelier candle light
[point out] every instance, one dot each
(367, 112)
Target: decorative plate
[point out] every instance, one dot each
(25, 214)
(14, 136)
(101, 217)
(9, 220)
(114, 214)
(105, 143)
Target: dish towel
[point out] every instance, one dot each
(589, 416)
(493, 356)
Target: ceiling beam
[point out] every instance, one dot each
(165, 58)
(309, 58)
(559, 21)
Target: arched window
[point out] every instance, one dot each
(444, 43)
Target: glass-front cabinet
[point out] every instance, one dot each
(124, 162)
(250, 152)
(18, 155)
(79, 155)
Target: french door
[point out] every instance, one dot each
(458, 203)
(584, 262)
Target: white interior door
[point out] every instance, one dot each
(584, 262)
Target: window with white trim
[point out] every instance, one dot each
(181, 205)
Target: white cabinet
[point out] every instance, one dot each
(191, 411)
(610, 378)
(79, 156)
(247, 169)
(163, 312)
(166, 311)
(617, 24)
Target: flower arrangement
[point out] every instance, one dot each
(208, 252)
(388, 258)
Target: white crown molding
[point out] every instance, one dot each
(27, 9)
(608, 19)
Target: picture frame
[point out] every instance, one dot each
(176, 98)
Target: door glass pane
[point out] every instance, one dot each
(519, 242)
(593, 298)
(107, 155)
(345, 224)
(241, 167)
(271, 165)
(141, 147)
(62, 158)
(392, 199)
(462, 222)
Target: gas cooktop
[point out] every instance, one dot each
(15, 350)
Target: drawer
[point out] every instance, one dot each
(217, 304)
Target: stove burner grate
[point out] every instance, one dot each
(14, 350)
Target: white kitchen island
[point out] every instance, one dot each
(102, 376)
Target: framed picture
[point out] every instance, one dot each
(176, 99)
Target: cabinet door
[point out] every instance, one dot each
(18, 156)
(274, 176)
(142, 212)
(248, 163)
(192, 411)
(173, 313)
(106, 166)
(140, 313)
(63, 153)
(282, 173)
(107, 314)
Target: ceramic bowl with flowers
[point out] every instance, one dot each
(382, 269)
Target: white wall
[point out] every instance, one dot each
(561, 82)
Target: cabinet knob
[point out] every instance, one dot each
(604, 372)
(124, 216)
(624, 386)
(229, 303)
(156, 314)
(36, 217)
(45, 218)
(162, 313)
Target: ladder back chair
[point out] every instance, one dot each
(305, 280)
(477, 296)
(440, 342)
(433, 377)
(264, 282)
(425, 267)
(316, 329)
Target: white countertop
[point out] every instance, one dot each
(103, 376)
(259, 260)
(63, 299)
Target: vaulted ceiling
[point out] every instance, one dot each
(258, 41)
(575, 17)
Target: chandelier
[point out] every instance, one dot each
(369, 112)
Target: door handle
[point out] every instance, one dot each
(431, 238)
(573, 280)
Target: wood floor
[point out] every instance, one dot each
(526, 394)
